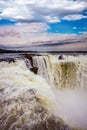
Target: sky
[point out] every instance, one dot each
(43, 24)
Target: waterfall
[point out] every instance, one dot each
(44, 67)
(70, 72)
(68, 79)
(43, 91)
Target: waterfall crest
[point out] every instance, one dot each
(70, 72)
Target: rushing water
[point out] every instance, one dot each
(68, 78)
(55, 96)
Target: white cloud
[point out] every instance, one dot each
(74, 27)
(35, 34)
(42, 10)
(36, 13)
(84, 33)
(53, 19)
(74, 17)
(22, 33)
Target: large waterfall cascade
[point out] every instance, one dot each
(68, 80)
(70, 72)
(59, 88)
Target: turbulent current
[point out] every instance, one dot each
(43, 92)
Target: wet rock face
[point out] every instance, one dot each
(26, 112)
(34, 69)
(60, 57)
(28, 56)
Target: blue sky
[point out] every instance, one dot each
(30, 22)
(69, 27)
(6, 22)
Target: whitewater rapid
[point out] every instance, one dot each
(43, 92)
(68, 78)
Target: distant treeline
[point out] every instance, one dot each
(9, 51)
(54, 52)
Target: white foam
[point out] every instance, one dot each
(16, 76)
